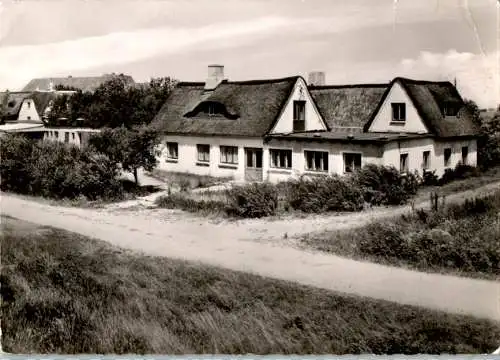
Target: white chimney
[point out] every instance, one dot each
(215, 76)
(316, 78)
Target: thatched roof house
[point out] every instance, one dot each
(280, 125)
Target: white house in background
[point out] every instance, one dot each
(78, 136)
(281, 128)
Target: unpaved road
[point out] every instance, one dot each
(257, 246)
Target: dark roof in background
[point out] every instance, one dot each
(347, 106)
(14, 101)
(257, 105)
(429, 98)
(40, 99)
(85, 83)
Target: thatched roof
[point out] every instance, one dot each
(85, 83)
(15, 99)
(13, 103)
(429, 98)
(347, 105)
(248, 108)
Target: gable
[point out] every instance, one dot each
(249, 108)
(382, 120)
(313, 119)
(28, 111)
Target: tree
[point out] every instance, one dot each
(116, 103)
(489, 137)
(132, 149)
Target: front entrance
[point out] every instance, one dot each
(253, 164)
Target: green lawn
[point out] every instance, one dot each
(66, 293)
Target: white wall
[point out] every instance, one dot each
(415, 148)
(313, 118)
(77, 136)
(188, 156)
(388, 154)
(383, 120)
(28, 112)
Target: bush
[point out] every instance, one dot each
(430, 178)
(460, 172)
(253, 200)
(325, 193)
(56, 170)
(385, 185)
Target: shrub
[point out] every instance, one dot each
(325, 193)
(430, 178)
(385, 185)
(253, 200)
(56, 170)
(460, 172)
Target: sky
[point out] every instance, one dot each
(352, 41)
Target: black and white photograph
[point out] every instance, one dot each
(250, 177)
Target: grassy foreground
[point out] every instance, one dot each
(457, 238)
(66, 293)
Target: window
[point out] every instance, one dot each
(66, 136)
(203, 152)
(447, 157)
(281, 158)
(450, 109)
(254, 158)
(172, 150)
(352, 161)
(29, 104)
(56, 133)
(398, 111)
(299, 115)
(229, 154)
(403, 163)
(316, 160)
(73, 136)
(465, 154)
(29, 117)
(426, 160)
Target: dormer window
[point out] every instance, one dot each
(398, 112)
(450, 109)
(299, 115)
(212, 109)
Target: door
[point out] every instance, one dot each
(253, 164)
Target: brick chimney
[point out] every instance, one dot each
(316, 78)
(215, 76)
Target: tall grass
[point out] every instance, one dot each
(461, 238)
(65, 293)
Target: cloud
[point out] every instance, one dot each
(478, 76)
(24, 62)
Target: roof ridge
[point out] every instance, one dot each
(422, 82)
(262, 81)
(346, 86)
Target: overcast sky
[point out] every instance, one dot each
(353, 41)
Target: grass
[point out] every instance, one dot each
(64, 293)
(461, 239)
(130, 191)
(485, 177)
(186, 181)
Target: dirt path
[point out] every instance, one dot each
(236, 245)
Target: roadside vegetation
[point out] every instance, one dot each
(374, 185)
(59, 171)
(456, 238)
(64, 293)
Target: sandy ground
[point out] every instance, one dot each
(260, 247)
